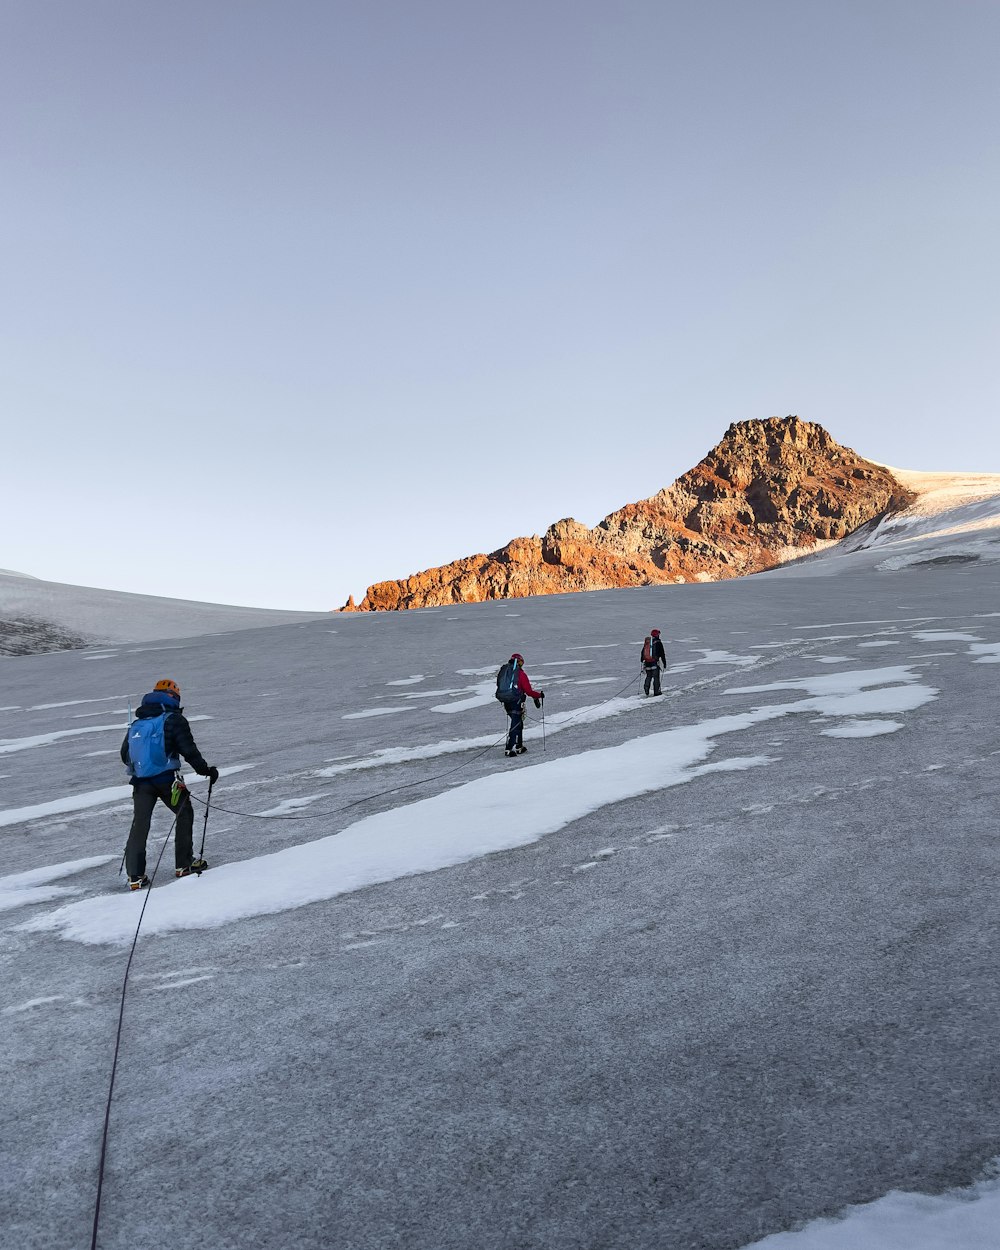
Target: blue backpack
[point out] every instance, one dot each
(147, 751)
(508, 690)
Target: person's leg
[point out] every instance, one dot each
(656, 680)
(649, 678)
(184, 833)
(511, 728)
(143, 802)
(516, 726)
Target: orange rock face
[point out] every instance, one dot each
(769, 490)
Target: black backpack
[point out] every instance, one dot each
(508, 690)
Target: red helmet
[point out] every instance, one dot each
(517, 656)
(655, 633)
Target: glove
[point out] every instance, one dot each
(538, 702)
(212, 775)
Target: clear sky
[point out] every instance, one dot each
(301, 296)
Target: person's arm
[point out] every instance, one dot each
(181, 742)
(124, 751)
(524, 685)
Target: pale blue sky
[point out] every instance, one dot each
(301, 296)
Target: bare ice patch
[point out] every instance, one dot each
(471, 820)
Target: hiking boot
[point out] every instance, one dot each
(521, 750)
(196, 865)
(138, 883)
(510, 754)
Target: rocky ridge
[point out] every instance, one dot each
(769, 491)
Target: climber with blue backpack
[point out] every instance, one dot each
(152, 750)
(513, 687)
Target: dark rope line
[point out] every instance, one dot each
(409, 785)
(309, 816)
(118, 1042)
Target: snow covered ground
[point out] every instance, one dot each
(113, 616)
(955, 519)
(702, 972)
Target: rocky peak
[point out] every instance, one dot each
(768, 491)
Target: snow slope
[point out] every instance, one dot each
(955, 518)
(115, 616)
(706, 971)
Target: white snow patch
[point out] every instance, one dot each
(45, 707)
(406, 681)
(374, 711)
(862, 728)
(33, 886)
(471, 820)
(882, 643)
(9, 745)
(943, 635)
(93, 798)
(988, 652)
(71, 803)
(482, 695)
(962, 1219)
(710, 656)
(292, 805)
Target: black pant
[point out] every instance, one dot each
(515, 733)
(653, 675)
(144, 796)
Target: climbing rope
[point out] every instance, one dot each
(118, 1042)
(785, 653)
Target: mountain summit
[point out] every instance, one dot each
(769, 491)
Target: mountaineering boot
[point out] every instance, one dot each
(138, 883)
(521, 750)
(196, 865)
(510, 754)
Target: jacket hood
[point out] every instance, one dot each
(156, 703)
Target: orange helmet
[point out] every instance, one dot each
(168, 687)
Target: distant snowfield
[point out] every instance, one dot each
(474, 819)
(114, 616)
(955, 518)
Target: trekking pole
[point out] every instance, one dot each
(128, 726)
(543, 726)
(204, 828)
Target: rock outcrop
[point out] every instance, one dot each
(770, 490)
